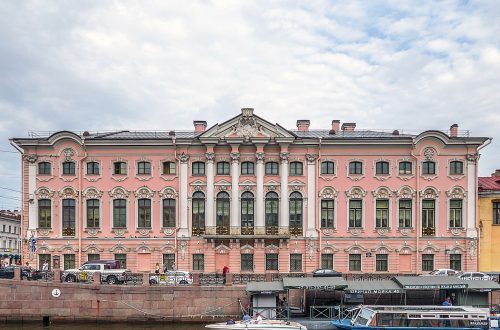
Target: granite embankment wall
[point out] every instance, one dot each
(27, 301)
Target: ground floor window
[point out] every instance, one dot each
(42, 258)
(199, 262)
(69, 261)
(295, 262)
(427, 262)
(122, 258)
(271, 261)
(456, 261)
(168, 261)
(327, 260)
(354, 262)
(91, 257)
(247, 262)
(381, 263)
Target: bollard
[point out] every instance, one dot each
(145, 279)
(229, 279)
(196, 279)
(17, 273)
(57, 276)
(96, 279)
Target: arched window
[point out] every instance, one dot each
(247, 213)
(144, 213)
(429, 167)
(144, 168)
(272, 168)
(405, 168)
(92, 168)
(296, 168)
(120, 168)
(44, 168)
(169, 212)
(382, 168)
(169, 168)
(296, 213)
(272, 208)
(198, 168)
(247, 168)
(119, 213)
(68, 168)
(223, 211)
(222, 168)
(456, 168)
(355, 168)
(327, 167)
(198, 213)
(44, 213)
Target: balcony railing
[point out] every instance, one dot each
(197, 231)
(247, 230)
(222, 230)
(296, 231)
(272, 230)
(68, 231)
(428, 231)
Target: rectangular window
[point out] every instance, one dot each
(247, 168)
(198, 168)
(44, 214)
(381, 263)
(144, 168)
(355, 213)
(92, 213)
(428, 217)
(119, 213)
(456, 168)
(93, 168)
(355, 168)
(199, 262)
(120, 168)
(169, 168)
(456, 261)
(168, 261)
(428, 167)
(295, 262)
(68, 168)
(327, 260)
(92, 257)
(272, 168)
(427, 262)
(169, 212)
(271, 261)
(222, 168)
(296, 168)
(496, 213)
(68, 217)
(144, 213)
(354, 262)
(327, 168)
(405, 208)
(382, 168)
(122, 258)
(405, 168)
(44, 168)
(382, 213)
(327, 211)
(455, 213)
(247, 262)
(69, 261)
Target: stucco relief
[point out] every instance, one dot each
(183, 158)
(68, 192)
(119, 193)
(183, 248)
(429, 192)
(119, 232)
(144, 232)
(260, 157)
(472, 248)
(235, 157)
(284, 156)
(143, 248)
(405, 192)
(405, 231)
(44, 193)
(271, 248)
(119, 248)
(246, 127)
(144, 192)
(406, 248)
(429, 248)
(210, 156)
(382, 192)
(328, 231)
(429, 153)
(43, 232)
(92, 248)
(356, 192)
(92, 193)
(168, 231)
(311, 158)
(382, 231)
(328, 193)
(355, 248)
(68, 154)
(355, 231)
(456, 192)
(168, 193)
(92, 232)
(382, 248)
(310, 247)
(31, 158)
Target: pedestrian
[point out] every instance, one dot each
(246, 317)
(284, 305)
(157, 268)
(45, 266)
(258, 319)
(225, 270)
(28, 265)
(447, 302)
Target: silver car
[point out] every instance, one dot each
(171, 278)
(475, 276)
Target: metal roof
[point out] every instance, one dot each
(430, 282)
(324, 133)
(265, 287)
(478, 285)
(314, 283)
(375, 286)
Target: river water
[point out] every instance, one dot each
(106, 326)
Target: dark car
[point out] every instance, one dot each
(8, 272)
(326, 272)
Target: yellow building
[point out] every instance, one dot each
(489, 223)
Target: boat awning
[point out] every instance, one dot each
(314, 283)
(382, 286)
(430, 282)
(265, 287)
(482, 286)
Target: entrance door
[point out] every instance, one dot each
(221, 260)
(405, 262)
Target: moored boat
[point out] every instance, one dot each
(262, 325)
(416, 317)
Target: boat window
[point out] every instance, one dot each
(364, 316)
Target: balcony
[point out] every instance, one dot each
(222, 230)
(272, 230)
(296, 231)
(68, 231)
(198, 231)
(428, 231)
(247, 230)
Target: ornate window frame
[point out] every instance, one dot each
(406, 177)
(45, 193)
(92, 193)
(406, 192)
(68, 192)
(430, 192)
(216, 165)
(119, 193)
(356, 192)
(93, 177)
(168, 193)
(456, 177)
(456, 192)
(144, 192)
(329, 193)
(430, 155)
(168, 177)
(383, 193)
(328, 177)
(198, 161)
(297, 161)
(44, 177)
(382, 177)
(119, 177)
(274, 161)
(356, 177)
(143, 177)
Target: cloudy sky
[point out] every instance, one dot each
(159, 65)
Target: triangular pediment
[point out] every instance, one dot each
(246, 127)
(247, 183)
(296, 183)
(222, 183)
(198, 183)
(272, 183)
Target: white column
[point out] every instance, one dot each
(183, 189)
(311, 195)
(284, 220)
(209, 214)
(259, 202)
(235, 180)
(471, 196)
(33, 206)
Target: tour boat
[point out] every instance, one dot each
(262, 325)
(416, 317)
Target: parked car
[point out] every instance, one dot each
(444, 272)
(172, 278)
(8, 272)
(474, 276)
(109, 264)
(110, 276)
(326, 272)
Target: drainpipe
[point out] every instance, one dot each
(80, 209)
(417, 208)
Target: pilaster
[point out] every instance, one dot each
(284, 220)
(235, 180)
(311, 195)
(183, 188)
(209, 214)
(260, 228)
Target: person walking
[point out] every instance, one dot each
(157, 268)
(225, 270)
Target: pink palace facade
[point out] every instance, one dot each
(254, 196)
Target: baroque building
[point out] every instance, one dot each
(489, 222)
(254, 196)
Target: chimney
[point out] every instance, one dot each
(303, 125)
(348, 126)
(496, 174)
(199, 126)
(335, 126)
(454, 130)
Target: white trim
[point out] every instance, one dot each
(356, 177)
(84, 213)
(111, 211)
(382, 177)
(61, 211)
